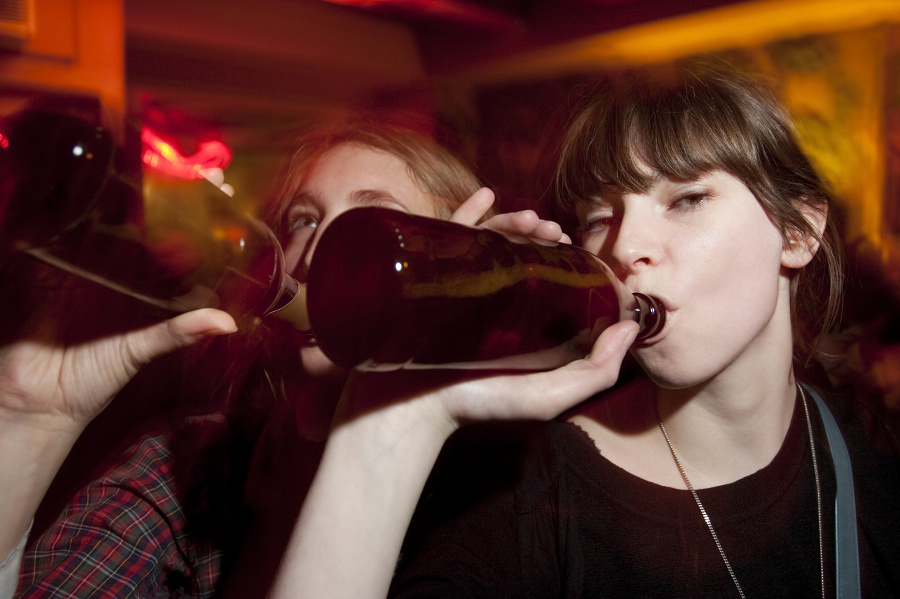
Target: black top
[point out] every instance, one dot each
(534, 510)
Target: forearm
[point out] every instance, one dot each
(29, 459)
(351, 528)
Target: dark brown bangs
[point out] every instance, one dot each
(683, 140)
(679, 128)
(597, 151)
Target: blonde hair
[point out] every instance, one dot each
(435, 170)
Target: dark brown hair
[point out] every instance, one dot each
(685, 121)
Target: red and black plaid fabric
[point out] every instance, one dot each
(124, 535)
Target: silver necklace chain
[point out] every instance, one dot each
(712, 531)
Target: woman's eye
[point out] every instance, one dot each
(690, 201)
(302, 221)
(299, 228)
(596, 225)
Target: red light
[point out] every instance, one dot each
(456, 10)
(4, 141)
(162, 156)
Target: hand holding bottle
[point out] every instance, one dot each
(522, 226)
(466, 395)
(541, 395)
(45, 380)
(54, 381)
(386, 437)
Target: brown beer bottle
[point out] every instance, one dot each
(387, 290)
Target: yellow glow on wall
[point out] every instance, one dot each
(742, 25)
(838, 110)
(750, 24)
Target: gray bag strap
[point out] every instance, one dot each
(846, 543)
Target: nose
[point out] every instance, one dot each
(312, 243)
(633, 245)
(294, 252)
(298, 252)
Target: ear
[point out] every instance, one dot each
(800, 249)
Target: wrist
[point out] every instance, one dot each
(404, 401)
(32, 450)
(42, 432)
(408, 426)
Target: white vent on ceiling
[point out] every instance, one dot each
(16, 22)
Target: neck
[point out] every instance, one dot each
(725, 432)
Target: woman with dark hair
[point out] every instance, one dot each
(716, 474)
(712, 121)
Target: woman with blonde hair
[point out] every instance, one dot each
(187, 510)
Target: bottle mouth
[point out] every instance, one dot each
(650, 314)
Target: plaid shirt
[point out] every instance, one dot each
(124, 535)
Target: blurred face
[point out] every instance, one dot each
(708, 250)
(346, 176)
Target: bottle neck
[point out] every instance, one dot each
(291, 305)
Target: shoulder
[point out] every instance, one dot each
(146, 477)
(132, 519)
(142, 491)
(156, 458)
(874, 449)
(867, 427)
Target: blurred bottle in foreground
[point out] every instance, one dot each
(174, 244)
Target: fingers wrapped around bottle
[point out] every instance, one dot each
(456, 397)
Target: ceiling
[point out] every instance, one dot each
(467, 32)
(250, 70)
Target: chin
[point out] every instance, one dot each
(665, 382)
(671, 374)
(317, 364)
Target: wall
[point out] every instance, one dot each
(71, 46)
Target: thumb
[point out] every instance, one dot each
(181, 331)
(597, 372)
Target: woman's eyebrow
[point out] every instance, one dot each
(372, 196)
(606, 195)
(303, 199)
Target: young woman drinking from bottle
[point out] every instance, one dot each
(718, 474)
(156, 519)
